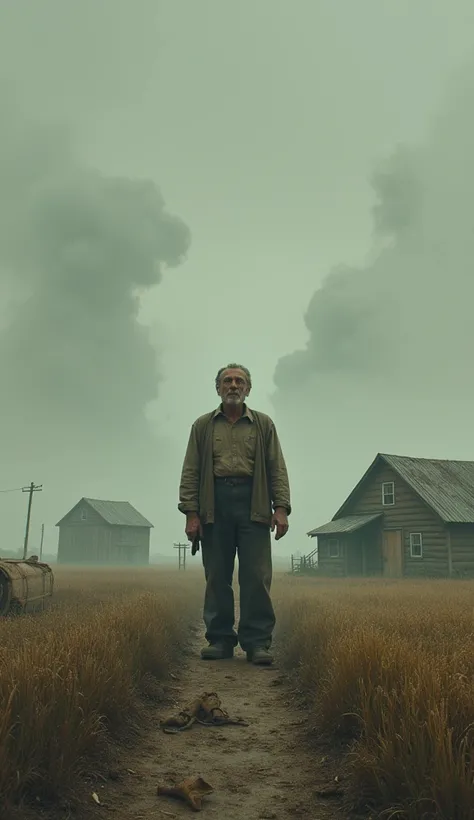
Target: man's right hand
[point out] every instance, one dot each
(193, 526)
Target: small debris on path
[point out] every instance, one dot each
(206, 709)
(191, 790)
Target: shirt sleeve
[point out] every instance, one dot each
(189, 485)
(279, 483)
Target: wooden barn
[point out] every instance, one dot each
(407, 517)
(103, 533)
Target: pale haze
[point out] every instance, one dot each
(184, 184)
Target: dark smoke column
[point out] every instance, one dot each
(77, 250)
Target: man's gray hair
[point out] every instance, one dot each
(233, 366)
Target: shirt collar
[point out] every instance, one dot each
(247, 413)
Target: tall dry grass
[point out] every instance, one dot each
(70, 678)
(388, 669)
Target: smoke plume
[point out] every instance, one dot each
(388, 362)
(77, 251)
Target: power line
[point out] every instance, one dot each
(12, 490)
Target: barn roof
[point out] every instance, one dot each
(350, 523)
(119, 513)
(446, 486)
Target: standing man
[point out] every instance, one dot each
(234, 489)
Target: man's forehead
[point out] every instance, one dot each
(233, 371)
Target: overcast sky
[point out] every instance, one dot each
(261, 124)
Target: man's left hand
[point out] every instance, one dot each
(280, 521)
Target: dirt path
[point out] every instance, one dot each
(261, 771)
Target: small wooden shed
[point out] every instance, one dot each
(104, 533)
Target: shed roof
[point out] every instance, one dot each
(118, 513)
(446, 486)
(350, 523)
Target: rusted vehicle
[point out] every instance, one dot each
(25, 586)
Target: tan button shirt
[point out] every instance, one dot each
(270, 477)
(234, 445)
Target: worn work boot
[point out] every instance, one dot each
(260, 656)
(217, 651)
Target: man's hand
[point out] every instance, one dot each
(280, 521)
(193, 526)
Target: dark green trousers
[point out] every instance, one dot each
(233, 533)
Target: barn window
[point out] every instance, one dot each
(333, 548)
(83, 515)
(388, 493)
(416, 545)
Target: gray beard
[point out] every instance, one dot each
(233, 400)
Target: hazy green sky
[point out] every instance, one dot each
(261, 122)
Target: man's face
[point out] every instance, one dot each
(233, 387)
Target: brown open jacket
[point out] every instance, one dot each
(270, 481)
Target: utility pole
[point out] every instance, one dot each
(181, 557)
(33, 488)
(41, 543)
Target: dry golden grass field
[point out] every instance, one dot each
(71, 678)
(388, 674)
(384, 672)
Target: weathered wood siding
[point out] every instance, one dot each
(103, 544)
(361, 553)
(65, 545)
(131, 545)
(409, 514)
(84, 543)
(331, 567)
(462, 549)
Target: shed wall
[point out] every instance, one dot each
(131, 545)
(84, 543)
